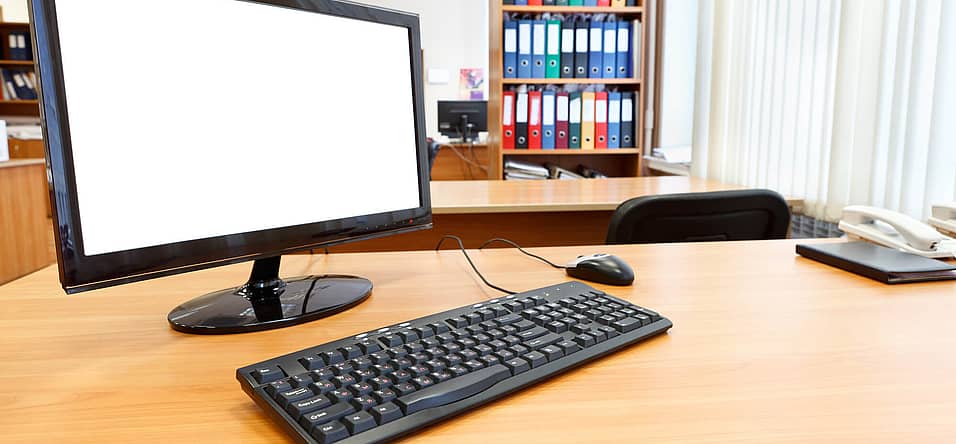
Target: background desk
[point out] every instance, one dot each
(533, 212)
(24, 230)
(766, 347)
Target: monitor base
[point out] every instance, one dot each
(267, 302)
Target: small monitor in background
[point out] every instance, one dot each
(462, 119)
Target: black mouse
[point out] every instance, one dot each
(601, 268)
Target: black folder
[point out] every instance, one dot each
(567, 48)
(581, 29)
(628, 105)
(880, 263)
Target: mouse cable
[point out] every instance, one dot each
(498, 239)
(473, 267)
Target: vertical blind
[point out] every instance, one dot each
(839, 102)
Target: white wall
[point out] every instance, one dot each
(15, 10)
(454, 36)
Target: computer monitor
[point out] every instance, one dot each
(188, 134)
(462, 119)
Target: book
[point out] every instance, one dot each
(880, 263)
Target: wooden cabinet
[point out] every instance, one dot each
(26, 149)
(25, 235)
(622, 162)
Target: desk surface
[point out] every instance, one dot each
(14, 163)
(766, 347)
(514, 196)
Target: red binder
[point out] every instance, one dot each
(561, 121)
(536, 2)
(508, 120)
(600, 2)
(600, 120)
(534, 120)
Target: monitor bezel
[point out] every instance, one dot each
(79, 272)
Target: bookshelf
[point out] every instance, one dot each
(20, 108)
(620, 162)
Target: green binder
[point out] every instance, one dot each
(561, 3)
(574, 120)
(553, 53)
(576, 3)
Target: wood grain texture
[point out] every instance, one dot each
(24, 227)
(26, 149)
(460, 197)
(766, 347)
(450, 163)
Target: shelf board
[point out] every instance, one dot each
(573, 152)
(17, 63)
(568, 81)
(631, 10)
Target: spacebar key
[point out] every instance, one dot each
(453, 390)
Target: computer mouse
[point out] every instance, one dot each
(601, 268)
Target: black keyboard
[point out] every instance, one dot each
(382, 384)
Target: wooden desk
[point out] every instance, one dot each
(461, 161)
(574, 212)
(24, 228)
(766, 347)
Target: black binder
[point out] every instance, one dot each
(581, 29)
(567, 48)
(628, 118)
(883, 264)
(521, 120)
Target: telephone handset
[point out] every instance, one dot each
(896, 230)
(944, 218)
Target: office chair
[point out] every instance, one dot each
(700, 217)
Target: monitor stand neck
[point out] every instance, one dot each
(267, 301)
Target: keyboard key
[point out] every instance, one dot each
(439, 328)
(351, 351)
(568, 347)
(584, 341)
(473, 318)
(380, 357)
(524, 325)
(517, 365)
(362, 375)
(451, 360)
(380, 382)
(473, 365)
(278, 386)
(289, 396)
(422, 382)
(508, 329)
(580, 328)
(486, 314)
(598, 335)
(363, 402)
(403, 388)
(299, 408)
(400, 377)
(311, 362)
(424, 332)
(340, 395)
(649, 313)
(526, 302)
(536, 359)
(543, 341)
(310, 420)
(384, 395)
(359, 422)
(302, 380)
(541, 319)
(519, 349)
(360, 389)
(344, 381)
(531, 334)
(452, 390)
(538, 300)
(557, 327)
(386, 413)
(609, 331)
(418, 370)
(504, 355)
(489, 360)
(458, 322)
(466, 342)
(627, 324)
(552, 352)
(457, 370)
(644, 319)
(514, 306)
(266, 375)
(481, 338)
(322, 374)
(440, 376)
(332, 357)
(511, 340)
(409, 335)
(361, 363)
(419, 357)
(483, 350)
(369, 347)
(321, 387)
(330, 432)
(342, 368)
(529, 313)
(391, 340)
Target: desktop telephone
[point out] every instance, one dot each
(944, 218)
(896, 230)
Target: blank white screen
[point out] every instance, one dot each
(193, 119)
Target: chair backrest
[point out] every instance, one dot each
(700, 217)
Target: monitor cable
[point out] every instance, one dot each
(499, 239)
(461, 245)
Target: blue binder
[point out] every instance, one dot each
(521, 2)
(613, 120)
(511, 49)
(539, 42)
(547, 119)
(524, 49)
(624, 50)
(596, 50)
(610, 50)
(590, 2)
